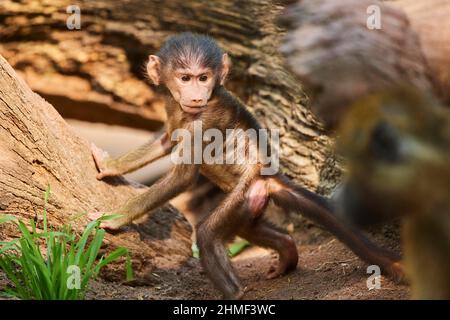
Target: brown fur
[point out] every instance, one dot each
(247, 193)
(397, 147)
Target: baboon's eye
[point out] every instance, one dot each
(185, 78)
(385, 143)
(203, 78)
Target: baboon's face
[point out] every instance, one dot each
(190, 83)
(191, 87)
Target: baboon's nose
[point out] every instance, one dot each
(196, 101)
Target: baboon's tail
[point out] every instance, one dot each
(293, 198)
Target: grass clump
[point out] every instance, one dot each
(63, 269)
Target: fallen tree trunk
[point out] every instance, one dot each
(95, 73)
(38, 149)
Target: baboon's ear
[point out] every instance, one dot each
(154, 69)
(226, 65)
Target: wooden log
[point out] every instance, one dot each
(95, 73)
(39, 149)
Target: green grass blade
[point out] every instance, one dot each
(237, 247)
(110, 217)
(4, 218)
(46, 197)
(119, 252)
(129, 268)
(36, 277)
(84, 238)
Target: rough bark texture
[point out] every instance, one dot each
(38, 149)
(99, 68)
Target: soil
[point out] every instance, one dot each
(327, 270)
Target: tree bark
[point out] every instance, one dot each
(95, 73)
(38, 149)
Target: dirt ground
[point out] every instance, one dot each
(327, 270)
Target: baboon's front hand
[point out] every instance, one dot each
(100, 157)
(107, 224)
